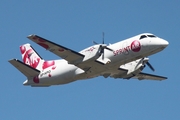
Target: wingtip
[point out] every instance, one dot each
(30, 36)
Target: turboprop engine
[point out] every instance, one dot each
(94, 52)
(135, 67)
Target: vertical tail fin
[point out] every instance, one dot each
(31, 57)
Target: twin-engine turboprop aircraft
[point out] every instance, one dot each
(125, 59)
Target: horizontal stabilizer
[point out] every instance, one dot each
(27, 70)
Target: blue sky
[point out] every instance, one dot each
(75, 24)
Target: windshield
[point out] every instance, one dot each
(151, 35)
(145, 36)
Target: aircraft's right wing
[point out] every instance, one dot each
(71, 56)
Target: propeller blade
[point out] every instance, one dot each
(95, 43)
(103, 38)
(109, 48)
(102, 46)
(103, 54)
(150, 66)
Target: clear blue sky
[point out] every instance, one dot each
(75, 24)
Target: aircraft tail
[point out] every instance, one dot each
(31, 57)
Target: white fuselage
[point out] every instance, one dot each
(123, 52)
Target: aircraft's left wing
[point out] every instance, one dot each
(71, 56)
(122, 73)
(142, 76)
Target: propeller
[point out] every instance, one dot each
(145, 60)
(103, 46)
(150, 66)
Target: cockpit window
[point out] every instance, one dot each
(143, 36)
(151, 36)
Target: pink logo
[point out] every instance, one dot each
(36, 79)
(47, 64)
(23, 49)
(61, 50)
(135, 46)
(30, 58)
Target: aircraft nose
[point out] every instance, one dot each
(164, 43)
(158, 44)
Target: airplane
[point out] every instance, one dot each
(125, 59)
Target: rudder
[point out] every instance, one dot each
(31, 57)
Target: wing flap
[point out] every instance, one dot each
(61, 51)
(27, 70)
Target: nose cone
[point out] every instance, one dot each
(156, 45)
(159, 43)
(164, 43)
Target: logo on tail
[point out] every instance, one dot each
(30, 57)
(33, 59)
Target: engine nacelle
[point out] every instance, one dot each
(91, 53)
(134, 67)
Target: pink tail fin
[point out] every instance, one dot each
(31, 57)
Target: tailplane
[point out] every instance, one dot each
(31, 57)
(25, 69)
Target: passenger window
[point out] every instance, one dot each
(143, 36)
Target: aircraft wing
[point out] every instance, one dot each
(122, 73)
(142, 76)
(71, 56)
